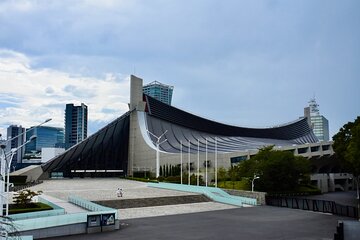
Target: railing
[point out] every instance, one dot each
(313, 205)
(93, 207)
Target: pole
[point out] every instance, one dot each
(157, 160)
(181, 177)
(189, 172)
(8, 182)
(206, 163)
(252, 182)
(2, 180)
(8, 165)
(215, 161)
(158, 143)
(198, 160)
(47, 120)
(358, 197)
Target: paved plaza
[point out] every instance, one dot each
(97, 189)
(204, 220)
(239, 223)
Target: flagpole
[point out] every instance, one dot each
(181, 178)
(215, 161)
(189, 172)
(198, 172)
(206, 163)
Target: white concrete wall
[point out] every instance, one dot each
(143, 157)
(49, 153)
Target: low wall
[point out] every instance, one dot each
(260, 196)
(56, 211)
(70, 224)
(71, 229)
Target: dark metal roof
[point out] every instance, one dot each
(107, 149)
(298, 129)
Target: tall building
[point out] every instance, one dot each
(46, 137)
(318, 123)
(13, 131)
(159, 91)
(76, 118)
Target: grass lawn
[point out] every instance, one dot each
(32, 207)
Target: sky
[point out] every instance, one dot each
(246, 63)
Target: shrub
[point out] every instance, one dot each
(24, 197)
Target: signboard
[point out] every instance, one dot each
(108, 219)
(93, 220)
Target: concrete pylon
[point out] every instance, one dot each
(136, 103)
(136, 85)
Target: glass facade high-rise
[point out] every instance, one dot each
(76, 118)
(45, 137)
(13, 131)
(318, 123)
(159, 91)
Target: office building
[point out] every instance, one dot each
(159, 91)
(318, 123)
(46, 137)
(13, 131)
(76, 118)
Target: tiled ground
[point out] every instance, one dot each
(101, 189)
(95, 189)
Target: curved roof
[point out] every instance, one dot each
(297, 132)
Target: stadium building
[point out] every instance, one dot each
(128, 145)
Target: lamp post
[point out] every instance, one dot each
(47, 120)
(8, 165)
(357, 196)
(158, 143)
(5, 165)
(252, 182)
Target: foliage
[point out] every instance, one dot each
(169, 170)
(300, 191)
(237, 185)
(278, 170)
(24, 197)
(347, 146)
(221, 174)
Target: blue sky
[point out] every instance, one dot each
(248, 63)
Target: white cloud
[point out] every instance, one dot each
(30, 95)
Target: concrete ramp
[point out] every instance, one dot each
(215, 194)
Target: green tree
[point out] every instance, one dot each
(346, 146)
(278, 170)
(221, 174)
(347, 149)
(233, 173)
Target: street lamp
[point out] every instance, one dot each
(5, 165)
(252, 182)
(357, 196)
(8, 164)
(158, 143)
(47, 120)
